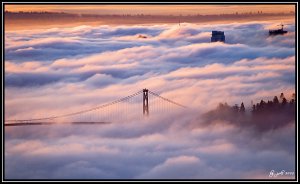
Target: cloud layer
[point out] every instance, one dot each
(62, 70)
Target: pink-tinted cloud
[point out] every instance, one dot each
(63, 70)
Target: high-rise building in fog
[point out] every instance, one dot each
(218, 36)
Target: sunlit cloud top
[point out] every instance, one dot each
(50, 71)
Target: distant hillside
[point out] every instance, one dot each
(45, 18)
(50, 15)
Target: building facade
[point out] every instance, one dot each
(217, 36)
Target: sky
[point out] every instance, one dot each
(61, 70)
(154, 9)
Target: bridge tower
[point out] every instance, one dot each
(145, 102)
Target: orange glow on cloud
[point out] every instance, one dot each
(154, 9)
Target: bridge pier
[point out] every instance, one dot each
(145, 102)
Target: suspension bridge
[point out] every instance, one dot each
(137, 106)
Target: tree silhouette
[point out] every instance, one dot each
(253, 109)
(275, 100)
(266, 115)
(281, 96)
(270, 105)
(242, 108)
(260, 107)
(284, 102)
(235, 108)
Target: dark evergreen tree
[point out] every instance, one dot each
(281, 96)
(284, 102)
(262, 105)
(275, 100)
(242, 108)
(253, 108)
(266, 115)
(235, 108)
(270, 105)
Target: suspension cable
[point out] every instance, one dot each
(168, 100)
(79, 112)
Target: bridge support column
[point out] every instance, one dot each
(145, 102)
